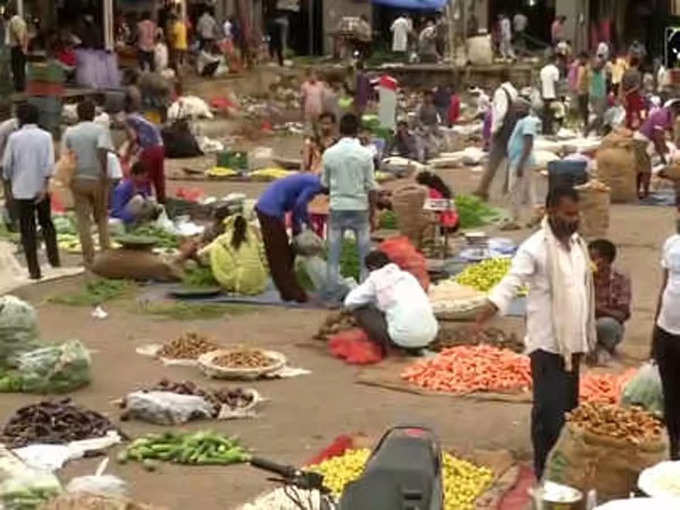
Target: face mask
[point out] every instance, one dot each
(562, 228)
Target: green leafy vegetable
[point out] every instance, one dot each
(189, 312)
(474, 212)
(199, 277)
(95, 293)
(162, 238)
(388, 220)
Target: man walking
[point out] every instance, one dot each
(502, 124)
(554, 263)
(206, 28)
(506, 49)
(7, 127)
(550, 76)
(400, 30)
(18, 42)
(146, 42)
(91, 143)
(28, 163)
(348, 172)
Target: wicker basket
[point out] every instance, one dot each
(209, 368)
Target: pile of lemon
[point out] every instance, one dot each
(463, 481)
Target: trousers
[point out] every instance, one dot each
(280, 258)
(340, 222)
(555, 393)
(667, 355)
(609, 333)
(523, 191)
(27, 212)
(90, 198)
(374, 324)
(18, 68)
(498, 152)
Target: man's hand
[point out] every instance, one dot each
(485, 314)
(520, 171)
(375, 223)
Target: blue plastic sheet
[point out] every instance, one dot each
(425, 5)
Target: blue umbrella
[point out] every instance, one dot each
(425, 5)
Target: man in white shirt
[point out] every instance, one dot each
(519, 25)
(550, 76)
(506, 48)
(206, 28)
(501, 130)
(7, 127)
(391, 306)
(400, 30)
(28, 163)
(560, 321)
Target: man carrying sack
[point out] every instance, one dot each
(554, 263)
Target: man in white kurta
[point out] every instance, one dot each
(400, 29)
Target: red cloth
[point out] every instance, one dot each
(337, 448)
(518, 497)
(448, 219)
(68, 57)
(191, 194)
(154, 159)
(635, 105)
(402, 252)
(454, 109)
(355, 348)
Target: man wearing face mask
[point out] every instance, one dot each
(555, 265)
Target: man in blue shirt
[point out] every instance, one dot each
(132, 200)
(291, 194)
(28, 163)
(521, 164)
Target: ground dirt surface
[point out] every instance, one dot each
(304, 414)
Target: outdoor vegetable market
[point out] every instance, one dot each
(379, 255)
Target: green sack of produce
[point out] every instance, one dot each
(54, 369)
(18, 329)
(645, 390)
(27, 488)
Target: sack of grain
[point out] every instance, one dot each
(617, 167)
(131, 264)
(611, 466)
(412, 221)
(595, 200)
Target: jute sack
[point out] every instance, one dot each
(412, 220)
(617, 167)
(587, 461)
(133, 265)
(594, 206)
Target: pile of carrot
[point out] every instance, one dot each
(604, 388)
(466, 369)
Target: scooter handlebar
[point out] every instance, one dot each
(273, 467)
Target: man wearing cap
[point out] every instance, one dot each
(653, 132)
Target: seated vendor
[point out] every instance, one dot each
(133, 202)
(612, 298)
(405, 143)
(438, 190)
(391, 306)
(288, 195)
(208, 60)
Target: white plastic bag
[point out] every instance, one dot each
(166, 408)
(28, 488)
(18, 328)
(164, 222)
(316, 270)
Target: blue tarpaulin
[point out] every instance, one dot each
(429, 5)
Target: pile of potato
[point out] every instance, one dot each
(632, 424)
(335, 323)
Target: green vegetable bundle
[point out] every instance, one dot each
(199, 277)
(199, 448)
(474, 212)
(95, 293)
(163, 238)
(388, 220)
(349, 260)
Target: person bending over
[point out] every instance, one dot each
(392, 307)
(133, 202)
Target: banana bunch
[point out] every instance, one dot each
(220, 171)
(269, 174)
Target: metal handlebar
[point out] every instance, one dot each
(292, 475)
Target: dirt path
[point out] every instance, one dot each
(306, 413)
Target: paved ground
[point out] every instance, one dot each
(306, 413)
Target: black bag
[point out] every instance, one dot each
(179, 142)
(516, 111)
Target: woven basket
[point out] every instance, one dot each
(209, 368)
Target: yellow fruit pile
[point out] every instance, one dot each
(221, 171)
(485, 275)
(463, 481)
(269, 174)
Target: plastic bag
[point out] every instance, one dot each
(163, 222)
(101, 485)
(308, 243)
(18, 328)
(55, 369)
(402, 252)
(316, 270)
(645, 390)
(166, 408)
(355, 348)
